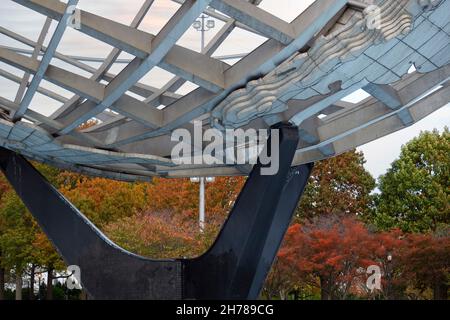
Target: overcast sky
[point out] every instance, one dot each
(379, 153)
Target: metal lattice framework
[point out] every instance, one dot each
(299, 74)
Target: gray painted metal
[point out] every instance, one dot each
(303, 70)
(45, 62)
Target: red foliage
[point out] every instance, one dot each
(329, 250)
(333, 253)
(426, 262)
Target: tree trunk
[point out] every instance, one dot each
(19, 283)
(50, 284)
(440, 291)
(32, 276)
(83, 295)
(2, 284)
(324, 289)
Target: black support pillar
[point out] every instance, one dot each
(235, 267)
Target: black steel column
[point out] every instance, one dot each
(107, 271)
(234, 268)
(238, 262)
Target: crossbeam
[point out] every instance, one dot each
(135, 70)
(390, 97)
(261, 61)
(257, 19)
(45, 62)
(193, 66)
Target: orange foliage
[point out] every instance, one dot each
(103, 200)
(158, 235)
(4, 185)
(87, 124)
(169, 228)
(181, 196)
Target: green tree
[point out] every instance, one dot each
(415, 192)
(3, 188)
(337, 185)
(16, 237)
(23, 247)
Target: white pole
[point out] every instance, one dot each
(203, 34)
(202, 205)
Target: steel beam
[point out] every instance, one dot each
(257, 19)
(250, 238)
(106, 63)
(139, 88)
(24, 83)
(45, 92)
(134, 71)
(45, 62)
(34, 116)
(86, 88)
(191, 65)
(218, 78)
(390, 97)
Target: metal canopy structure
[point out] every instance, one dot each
(300, 74)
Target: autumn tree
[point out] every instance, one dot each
(3, 188)
(386, 249)
(426, 263)
(327, 252)
(18, 232)
(45, 256)
(337, 185)
(181, 196)
(157, 235)
(169, 226)
(16, 237)
(284, 283)
(103, 200)
(415, 192)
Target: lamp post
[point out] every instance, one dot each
(203, 24)
(389, 270)
(201, 206)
